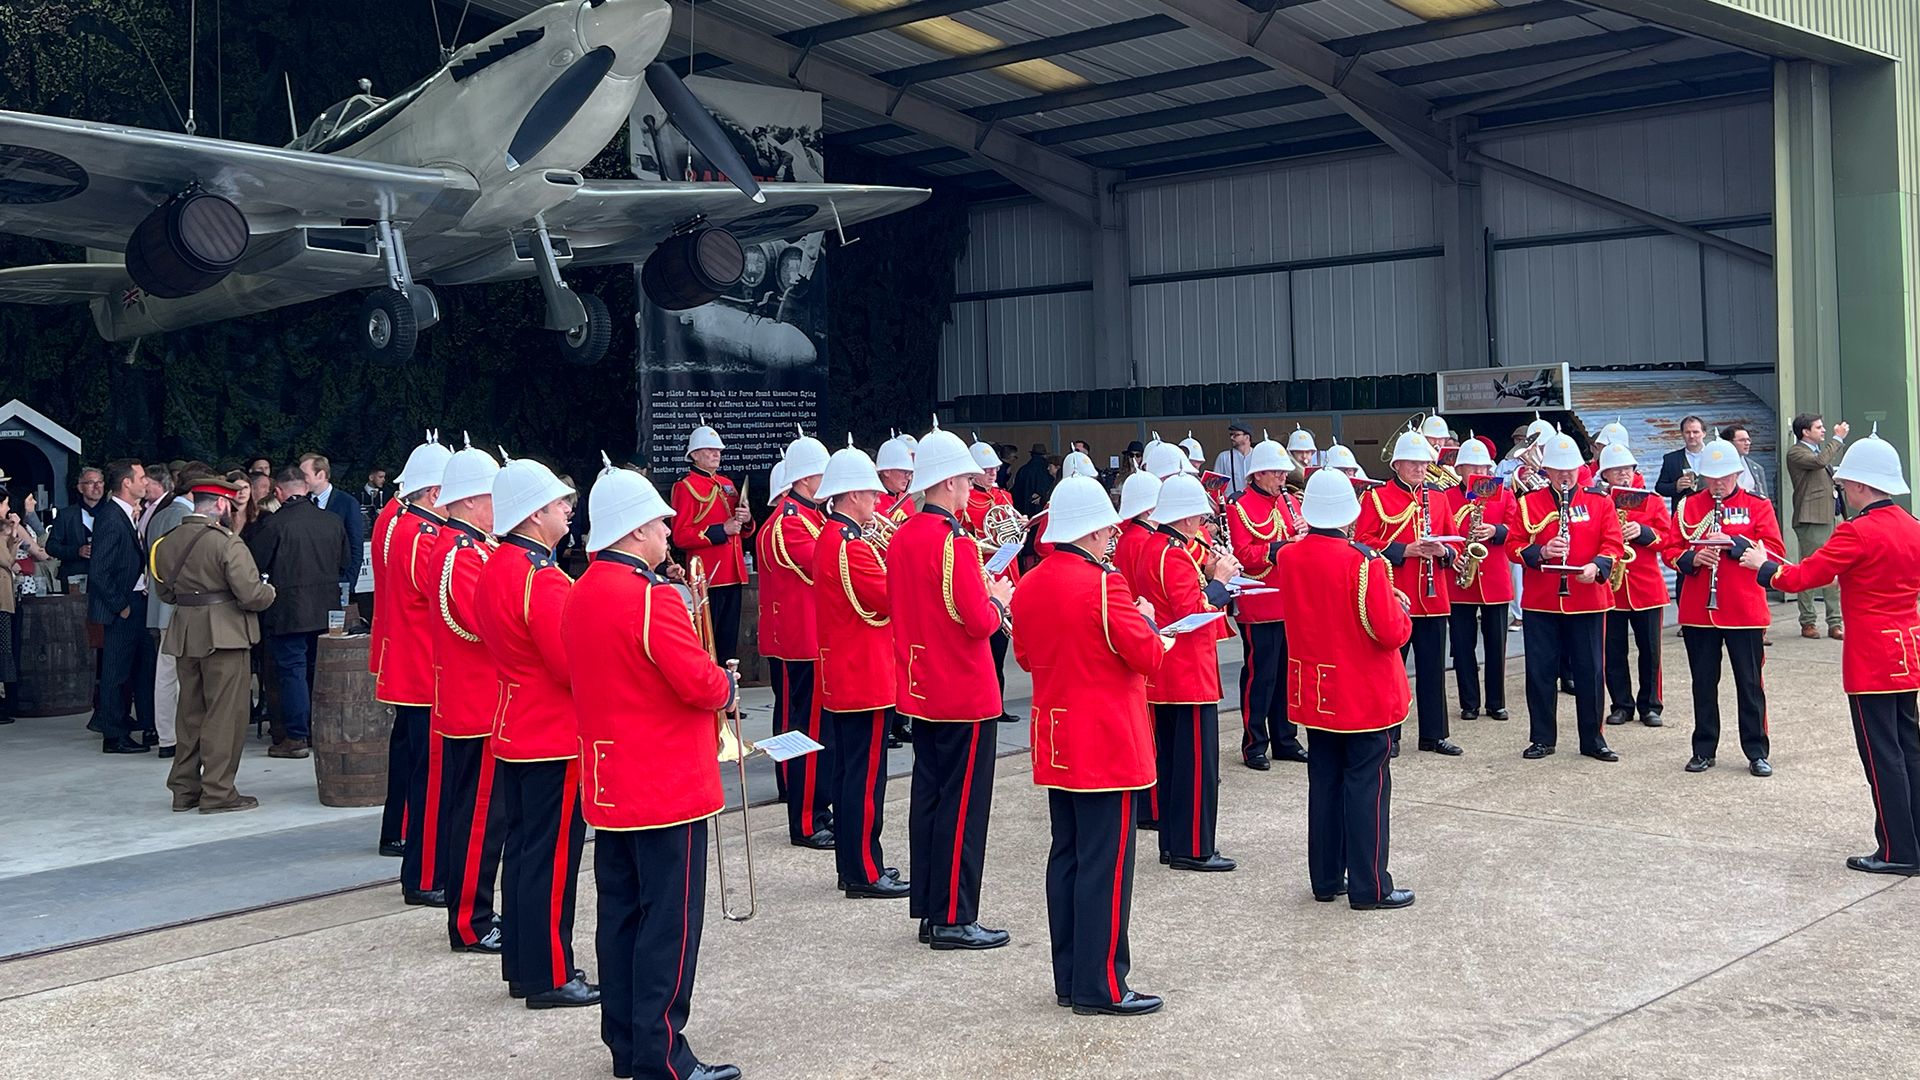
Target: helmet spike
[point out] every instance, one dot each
(467, 439)
(504, 456)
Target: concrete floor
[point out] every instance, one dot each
(1575, 920)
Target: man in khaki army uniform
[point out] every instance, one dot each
(204, 570)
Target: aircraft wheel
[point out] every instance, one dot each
(586, 345)
(388, 328)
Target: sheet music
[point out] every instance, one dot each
(1194, 622)
(787, 745)
(1004, 557)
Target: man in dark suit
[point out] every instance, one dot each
(303, 551)
(115, 603)
(71, 538)
(317, 471)
(1679, 470)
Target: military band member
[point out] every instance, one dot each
(1565, 525)
(711, 522)
(205, 571)
(983, 497)
(856, 686)
(1876, 556)
(895, 466)
(945, 610)
(518, 604)
(786, 583)
(1260, 521)
(1341, 459)
(1640, 603)
(400, 749)
(1135, 548)
(1305, 455)
(1348, 686)
(1479, 607)
(1722, 604)
(1091, 647)
(1185, 692)
(401, 654)
(466, 695)
(765, 618)
(1196, 455)
(1399, 520)
(645, 696)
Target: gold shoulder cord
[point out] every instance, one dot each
(446, 600)
(386, 542)
(1273, 522)
(946, 579)
(702, 503)
(1395, 521)
(1366, 623)
(846, 584)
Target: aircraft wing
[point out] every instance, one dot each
(77, 182)
(62, 283)
(613, 221)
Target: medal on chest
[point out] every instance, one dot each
(1736, 515)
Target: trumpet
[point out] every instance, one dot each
(732, 748)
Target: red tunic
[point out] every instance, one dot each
(1876, 558)
(1259, 526)
(1389, 521)
(1075, 628)
(1593, 533)
(1494, 585)
(1345, 630)
(942, 620)
(1646, 585)
(702, 504)
(975, 519)
(519, 602)
(897, 507)
(787, 630)
(853, 615)
(1748, 519)
(413, 576)
(1136, 538)
(645, 694)
(381, 541)
(466, 685)
(1037, 528)
(1174, 585)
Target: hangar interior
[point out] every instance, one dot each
(1305, 208)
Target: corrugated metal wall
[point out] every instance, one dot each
(1014, 344)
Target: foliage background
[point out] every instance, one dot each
(290, 381)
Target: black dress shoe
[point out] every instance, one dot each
(488, 943)
(820, 841)
(1149, 826)
(1653, 719)
(1469, 714)
(573, 994)
(1696, 763)
(519, 991)
(393, 849)
(970, 936)
(150, 739)
(1063, 1000)
(1258, 762)
(1497, 714)
(1868, 864)
(424, 898)
(1131, 1004)
(1760, 767)
(1393, 750)
(1166, 859)
(886, 888)
(714, 1072)
(1296, 752)
(1329, 897)
(165, 752)
(926, 931)
(1534, 752)
(1618, 716)
(1398, 898)
(1215, 863)
(1443, 747)
(1009, 718)
(1566, 687)
(121, 745)
(1604, 753)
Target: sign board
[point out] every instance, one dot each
(365, 584)
(1545, 387)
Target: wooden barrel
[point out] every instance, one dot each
(56, 661)
(350, 729)
(753, 668)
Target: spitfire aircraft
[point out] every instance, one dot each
(469, 176)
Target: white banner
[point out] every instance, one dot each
(1542, 387)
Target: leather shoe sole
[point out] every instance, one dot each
(1393, 901)
(1443, 747)
(1215, 863)
(1328, 898)
(1605, 753)
(1131, 1005)
(421, 898)
(893, 889)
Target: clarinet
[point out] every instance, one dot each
(1563, 501)
(1426, 530)
(1713, 574)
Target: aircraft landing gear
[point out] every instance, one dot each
(391, 318)
(580, 321)
(587, 343)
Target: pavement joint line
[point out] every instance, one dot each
(1556, 819)
(1698, 979)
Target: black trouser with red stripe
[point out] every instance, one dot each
(1263, 700)
(724, 603)
(1886, 730)
(1487, 623)
(400, 751)
(810, 777)
(777, 678)
(1646, 638)
(653, 900)
(1429, 648)
(539, 870)
(471, 831)
(1187, 750)
(947, 820)
(860, 793)
(1551, 640)
(1349, 796)
(1746, 652)
(419, 864)
(1090, 893)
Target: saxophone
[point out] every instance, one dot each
(1468, 571)
(1617, 577)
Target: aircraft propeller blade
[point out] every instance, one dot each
(701, 129)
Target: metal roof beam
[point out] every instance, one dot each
(1397, 116)
(1121, 88)
(697, 64)
(1442, 29)
(862, 136)
(1552, 52)
(1620, 62)
(1179, 114)
(1725, 92)
(875, 21)
(1357, 139)
(920, 159)
(1635, 78)
(1226, 140)
(1066, 183)
(1039, 48)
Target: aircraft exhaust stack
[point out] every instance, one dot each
(692, 268)
(186, 245)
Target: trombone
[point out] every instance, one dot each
(732, 748)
